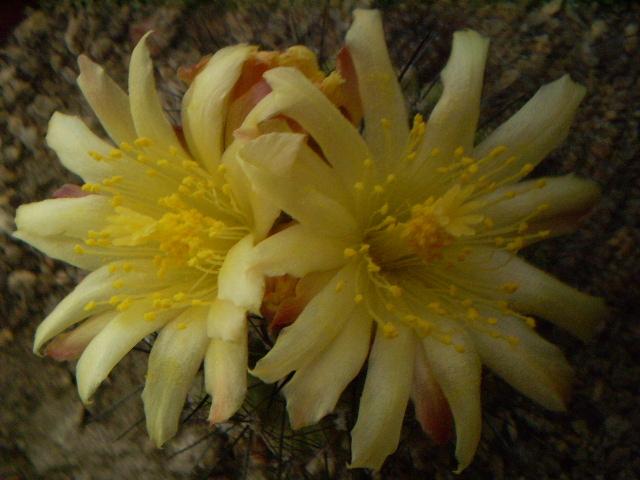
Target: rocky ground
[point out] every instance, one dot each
(46, 432)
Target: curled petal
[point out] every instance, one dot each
(174, 361)
(237, 282)
(205, 104)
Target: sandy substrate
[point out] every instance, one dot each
(46, 432)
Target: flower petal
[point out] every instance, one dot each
(298, 182)
(237, 282)
(565, 197)
(96, 287)
(453, 122)
(539, 293)
(108, 101)
(313, 331)
(432, 409)
(174, 361)
(204, 105)
(385, 116)
(384, 399)
(148, 115)
(226, 321)
(534, 366)
(298, 251)
(70, 345)
(536, 129)
(56, 226)
(315, 389)
(225, 369)
(296, 97)
(72, 141)
(458, 374)
(113, 343)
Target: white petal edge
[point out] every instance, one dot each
(174, 361)
(384, 399)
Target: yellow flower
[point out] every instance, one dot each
(410, 235)
(164, 222)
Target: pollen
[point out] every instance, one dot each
(358, 298)
(350, 253)
(389, 330)
(149, 316)
(90, 306)
(142, 142)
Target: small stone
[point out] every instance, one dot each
(6, 336)
(6, 175)
(598, 27)
(22, 282)
(11, 154)
(12, 254)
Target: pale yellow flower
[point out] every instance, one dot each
(164, 224)
(410, 236)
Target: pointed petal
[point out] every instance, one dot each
(70, 345)
(454, 119)
(237, 282)
(535, 130)
(174, 361)
(384, 399)
(432, 409)
(382, 97)
(297, 251)
(315, 389)
(319, 323)
(204, 105)
(113, 343)
(539, 293)
(96, 287)
(534, 366)
(296, 97)
(108, 101)
(72, 141)
(225, 369)
(458, 374)
(56, 226)
(298, 182)
(565, 197)
(148, 115)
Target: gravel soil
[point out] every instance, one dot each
(47, 433)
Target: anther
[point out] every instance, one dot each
(509, 287)
(90, 306)
(358, 298)
(142, 142)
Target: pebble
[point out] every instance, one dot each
(22, 282)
